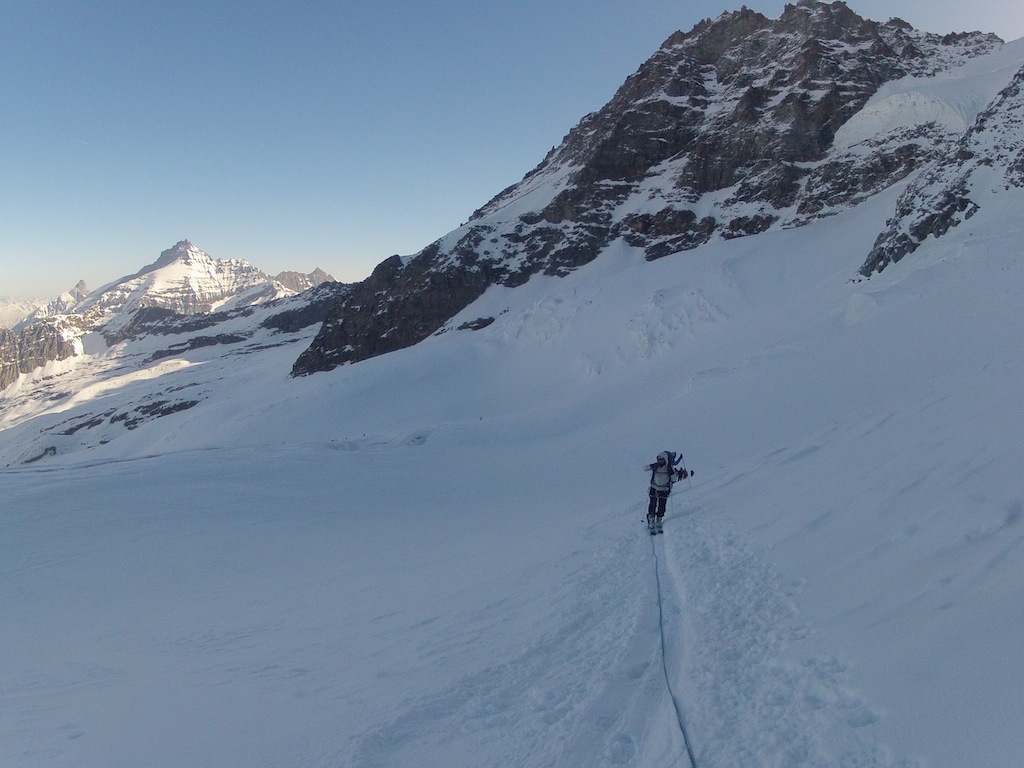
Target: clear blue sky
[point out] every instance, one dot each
(301, 134)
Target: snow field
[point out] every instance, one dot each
(438, 558)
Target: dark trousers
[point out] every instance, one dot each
(656, 506)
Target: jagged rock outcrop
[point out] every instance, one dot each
(69, 299)
(399, 305)
(738, 118)
(987, 161)
(314, 307)
(299, 282)
(25, 350)
(728, 130)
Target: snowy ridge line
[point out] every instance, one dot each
(664, 663)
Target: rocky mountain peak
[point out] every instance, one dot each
(69, 299)
(727, 130)
(183, 249)
(299, 282)
(709, 39)
(735, 103)
(182, 253)
(830, 21)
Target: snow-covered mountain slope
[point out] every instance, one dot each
(89, 399)
(62, 305)
(952, 98)
(184, 280)
(437, 556)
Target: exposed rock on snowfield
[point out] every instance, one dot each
(728, 130)
(45, 335)
(397, 306)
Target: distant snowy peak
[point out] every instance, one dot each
(13, 311)
(53, 310)
(183, 250)
(987, 161)
(185, 280)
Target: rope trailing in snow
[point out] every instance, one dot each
(664, 662)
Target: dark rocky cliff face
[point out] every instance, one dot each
(727, 130)
(397, 306)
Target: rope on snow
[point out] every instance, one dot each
(664, 663)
